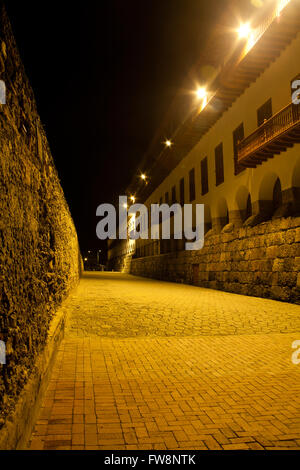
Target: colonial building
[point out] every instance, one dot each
(238, 154)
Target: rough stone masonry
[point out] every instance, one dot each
(261, 261)
(39, 254)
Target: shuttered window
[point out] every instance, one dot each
(173, 194)
(192, 185)
(264, 112)
(181, 188)
(204, 176)
(219, 164)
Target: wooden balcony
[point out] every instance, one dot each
(273, 137)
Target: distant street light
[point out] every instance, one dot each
(244, 31)
(201, 93)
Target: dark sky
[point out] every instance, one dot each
(104, 74)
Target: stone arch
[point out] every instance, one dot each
(222, 207)
(207, 218)
(296, 188)
(296, 175)
(270, 196)
(267, 186)
(243, 203)
(222, 214)
(277, 196)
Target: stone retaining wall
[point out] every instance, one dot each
(39, 255)
(262, 261)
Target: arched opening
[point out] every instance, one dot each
(277, 196)
(223, 214)
(248, 208)
(207, 219)
(296, 188)
(270, 196)
(244, 203)
(296, 175)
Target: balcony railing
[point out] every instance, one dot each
(274, 136)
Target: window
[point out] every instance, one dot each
(192, 185)
(167, 198)
(181, 189)
(204, 176)
(238, 136)
(173, 194)
(264, 112)
(219, 164)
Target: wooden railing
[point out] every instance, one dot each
(274, 127)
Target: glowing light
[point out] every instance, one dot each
(168, 143)
(125, 206)
(244, 31)
(201, 93)
(85, 259)
(132, 198)
(143, 176)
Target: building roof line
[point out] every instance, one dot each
(241, 68)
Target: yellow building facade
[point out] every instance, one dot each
(239, 155)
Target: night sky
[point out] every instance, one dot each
(104, 75)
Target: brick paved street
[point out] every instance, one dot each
(154, 365)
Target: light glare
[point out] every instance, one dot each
(244, 30)
(201, 93)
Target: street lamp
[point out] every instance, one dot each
(244, 31)
(201, 93)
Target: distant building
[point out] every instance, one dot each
(239, 154)
(92, 260)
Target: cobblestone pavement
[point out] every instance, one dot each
(154, 365)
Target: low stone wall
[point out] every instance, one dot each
(39, 254)
(17, 430)
(262, 261)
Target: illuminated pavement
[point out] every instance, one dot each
(154, 365)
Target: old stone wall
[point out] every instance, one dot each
(262, 261)
(39, 253)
